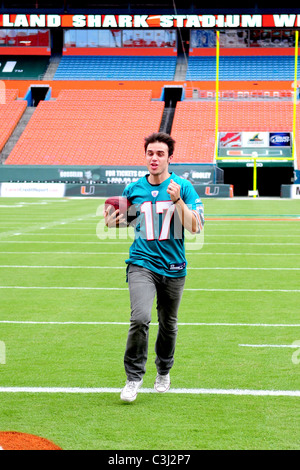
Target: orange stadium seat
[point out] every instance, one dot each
(107, 127)
(11, 112)
(89, 127)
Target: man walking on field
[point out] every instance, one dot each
(166, 205)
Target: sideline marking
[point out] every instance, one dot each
(191, 391)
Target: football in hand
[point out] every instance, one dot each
(121, 203)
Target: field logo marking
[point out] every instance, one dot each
(296, 354)
(2, 353)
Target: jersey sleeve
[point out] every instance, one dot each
(191, 199)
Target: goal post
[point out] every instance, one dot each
(237, 156)
(217, 92)
(251, 156)
(295, 93)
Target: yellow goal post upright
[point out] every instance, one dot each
(295, 94)
(217, 92)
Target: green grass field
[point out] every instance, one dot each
(64, 313)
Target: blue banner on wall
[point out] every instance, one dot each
(280, 139)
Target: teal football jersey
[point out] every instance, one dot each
(159, 234)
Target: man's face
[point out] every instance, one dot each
(157, 158)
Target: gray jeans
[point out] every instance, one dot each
(143, 286)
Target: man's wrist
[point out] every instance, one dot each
(174, 202)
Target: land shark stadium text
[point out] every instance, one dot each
(149, 21)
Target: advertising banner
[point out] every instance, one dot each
(255, 139)
(270, 148)
(59, 190)
(295, 191)
(280, 139)
(32, 190)
(290, 191)
(196, 173)
(230, 139)
(106, 190)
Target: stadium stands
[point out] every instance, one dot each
(96, 127)
(11, 112)
(116, 68)
(107, 127)
(194, 124)
(89, 127)
(242, 68)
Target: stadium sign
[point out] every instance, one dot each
(201, 173)
(280, 139)
(295, 191)
(254, 139)
(290, 191)
(32, 190)
(149, 21)
(59, 190)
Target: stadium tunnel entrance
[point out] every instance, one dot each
(37, 93)
(269, 179)
(172, 94)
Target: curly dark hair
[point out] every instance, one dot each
(160, 137)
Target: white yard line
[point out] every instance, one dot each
(69, 253)
(117, 242)
(269, 345)
(125, 289)
(250, 243)
(18, 266)
(180, 391)
(99, 242)
(253, 235)
(116, 323)
(27, 230)
(126, 253)
(203, 253)
(207, 235)
(62, 267)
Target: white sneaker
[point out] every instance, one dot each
(162, 383)
(129, 392)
